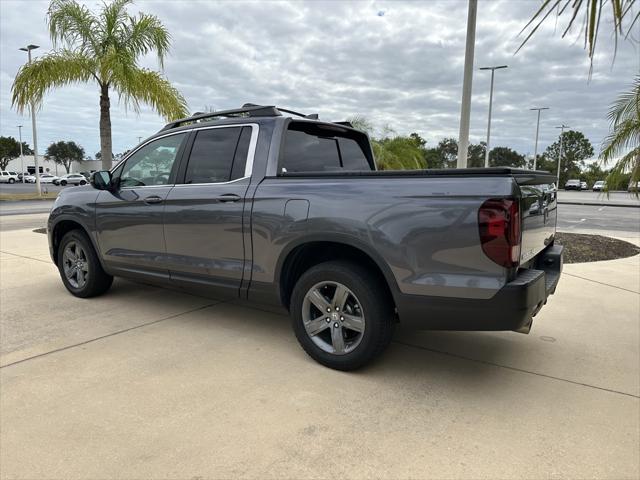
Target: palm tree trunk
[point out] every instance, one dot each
(105, 127)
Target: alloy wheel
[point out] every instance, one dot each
(333, 317)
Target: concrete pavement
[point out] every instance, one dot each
(152, 383)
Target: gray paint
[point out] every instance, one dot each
(420, 228)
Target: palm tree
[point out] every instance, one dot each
(624, 138)
(104, 48)
(591, 12)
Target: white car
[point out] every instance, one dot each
(598, 186)
(71, 178)
(47, 178)
(8, 177)
(28, 178)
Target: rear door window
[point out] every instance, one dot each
(218, 155)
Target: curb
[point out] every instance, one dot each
(593, 204)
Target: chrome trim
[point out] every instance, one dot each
(177, 185)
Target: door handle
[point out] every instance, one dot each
(152, 199)
(228, 197)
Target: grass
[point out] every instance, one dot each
(27, 196)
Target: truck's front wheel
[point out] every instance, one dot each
(342, 314)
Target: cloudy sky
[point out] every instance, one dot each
(399, 64)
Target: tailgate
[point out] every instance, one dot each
(539, 209)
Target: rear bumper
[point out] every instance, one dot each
(512, 308)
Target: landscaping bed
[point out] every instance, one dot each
(580, 248)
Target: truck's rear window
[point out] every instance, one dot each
(308, 148)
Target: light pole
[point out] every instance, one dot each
(28, 49)
(493, 71)
(562, 127)
(535, 150)
(139, 139)
(465, 109)
(21, 156)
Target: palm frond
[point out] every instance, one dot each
(72, 24)
(627, 105)
(139, 85)
(113, 17)
(50, 71)
(144, 34)
(593, 11)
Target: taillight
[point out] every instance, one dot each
(499, 223)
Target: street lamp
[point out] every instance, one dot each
(28, 49)
(493, 71)
(21, 157)
(465, 108)
(535, 150)
(561, 127)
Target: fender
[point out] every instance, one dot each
(345, 239)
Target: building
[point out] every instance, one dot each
(27, 164)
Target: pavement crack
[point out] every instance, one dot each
(102, 337)
(24, 256)
(601, 283)
(515, 369)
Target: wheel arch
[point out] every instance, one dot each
(299, 256)
(61, 228)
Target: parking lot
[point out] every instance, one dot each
(146, 382)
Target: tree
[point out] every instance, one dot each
(10, 149)
(104, 48)
(576, 148)
(624, 139)
(476, 153)
(65, 153)
(506, 157)
(398, 153)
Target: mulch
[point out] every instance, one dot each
(580, 248)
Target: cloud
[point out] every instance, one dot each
(402, 69)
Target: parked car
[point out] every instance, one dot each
(48, 178)
(599, 186)
(8, 177)
(29, 178)
(72, 179)
(258, 204)
(633, 187)
(573, 185)
(584, 185)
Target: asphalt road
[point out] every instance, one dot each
(587, 217)
(29, 187)
(613, 198)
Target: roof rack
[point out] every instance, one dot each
(248, 109)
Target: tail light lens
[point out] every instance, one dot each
(500, 230)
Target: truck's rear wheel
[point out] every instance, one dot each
(342, 314)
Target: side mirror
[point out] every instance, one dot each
(101, 180)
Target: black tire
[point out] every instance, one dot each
(63, 183)
(11, 180)
(377, 308)
(97, 280)
(82, 182)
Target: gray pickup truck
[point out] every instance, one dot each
(273, 207)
